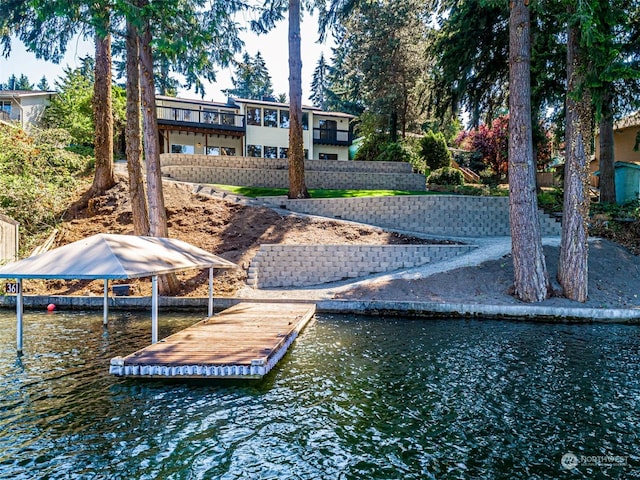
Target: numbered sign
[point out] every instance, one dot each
(12, 288)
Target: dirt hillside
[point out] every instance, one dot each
(230, 230)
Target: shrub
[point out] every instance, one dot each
(434, 150)
(446, 176)
(37, 178)
(394, 152)
(371, 148)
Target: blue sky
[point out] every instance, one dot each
(273, 47)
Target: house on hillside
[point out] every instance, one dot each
(23, 107)
(249, 128)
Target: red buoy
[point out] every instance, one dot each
(51, 307)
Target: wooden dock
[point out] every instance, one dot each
(244, 341)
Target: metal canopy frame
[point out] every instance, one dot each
(114, 257)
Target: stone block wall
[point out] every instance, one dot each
(304, 265)
(443, 215)
(274, 173)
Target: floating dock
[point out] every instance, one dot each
(244, 341)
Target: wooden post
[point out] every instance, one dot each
(19, 311)
(105, 309)
(154, 309)
(210, 311)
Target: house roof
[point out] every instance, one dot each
(108, 256)
(191, 101)
(25, 93)
(315, 110)
(632, 120)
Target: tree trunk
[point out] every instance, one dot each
(297, 185)
(531, 281)
(572, 267)
(103, 179)
(607, 169)
(133, 137)
(167, 284)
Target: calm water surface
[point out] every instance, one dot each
(356, 398)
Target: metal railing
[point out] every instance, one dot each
(205, 118)
(330, 136)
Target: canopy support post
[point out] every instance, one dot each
(154, 309)
(210, 311)
(19, 312)
(105, 309)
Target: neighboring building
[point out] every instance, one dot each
(626, 151)
(24, 107)
(625, 136)
(251, 128)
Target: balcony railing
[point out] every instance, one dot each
(200, 118)
(329, 136)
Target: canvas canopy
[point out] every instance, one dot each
(115, 257)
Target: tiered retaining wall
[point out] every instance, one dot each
(442, 215)
(274, 173)
(303, 265)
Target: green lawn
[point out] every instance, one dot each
(317, 193)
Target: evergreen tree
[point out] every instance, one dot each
(11, 83)
(380, 60)
(43, 84)
(71, 108)
(320, 84)
(23, 83)
(251, 79)
(531, 281)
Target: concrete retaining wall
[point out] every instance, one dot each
(274, 173)
(443, 215)
(300, 265)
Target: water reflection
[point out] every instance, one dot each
(355, 398)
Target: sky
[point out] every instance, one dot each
(273, 47)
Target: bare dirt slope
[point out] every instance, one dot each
(230, 230)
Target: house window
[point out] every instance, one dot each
(182, 149)
(306, 154)
(305, 121)
(254, 116)
(271, 117)
(231, 151)
(213, 151)
(254, 150)
(227, 119)
(210, 116)
(328, 124)
(284, 119)
(328, 156)
(270, 152)
(5, 107)
(284, 152)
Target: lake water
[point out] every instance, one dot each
(356, 398)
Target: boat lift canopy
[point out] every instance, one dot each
(114, 257)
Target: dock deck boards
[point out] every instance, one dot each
(244, 341)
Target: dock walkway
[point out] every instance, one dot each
(243, 341)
